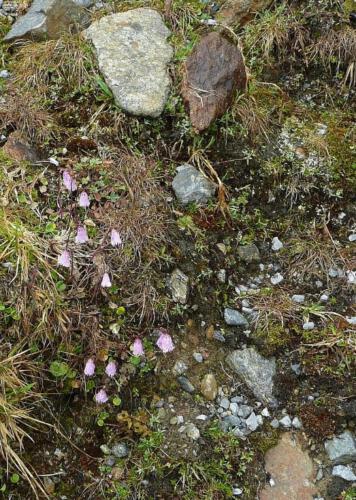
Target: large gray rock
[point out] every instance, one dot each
(178, 284)
(190, 185)
(341, 449)
(133, 55)
(256, 371)
(49, 19)
(234, 318)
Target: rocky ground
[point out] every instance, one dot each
(177, 280)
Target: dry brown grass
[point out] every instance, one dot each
(275, 308)
(17, 402)
(336, 50)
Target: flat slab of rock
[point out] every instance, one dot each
(179, 286)
(291, 469)
(133, 55)
(234, 318)
(256, 371)
(190, 185)
(341, 449)
(213, 72)
(241, 11)
(18, 149)
(49, 19)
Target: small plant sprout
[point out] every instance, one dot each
(111, 369)
(106, 282)
(165, 342)
(137, 348)
(82, 235)
(69, 182)
(89, 368)
(84, 201)
(64, 259)
(101, 397)
(116, 240)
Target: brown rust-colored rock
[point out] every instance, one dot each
(291, 469)
(241, 11)
(18, 149)
(213, 72)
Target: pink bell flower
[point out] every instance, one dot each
(111, 369)
(69, 182)
(105, 282)
(116, 240)
(84, 201)
(82, 235)
(89, 368)
(137, 348)
(165, 342)
(101, 397)
(64, 259)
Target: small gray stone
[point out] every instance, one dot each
(286, 422)
(308, 325)
(190, 185)
(120, 450)
(296, 368)
(341, 449)
(276, 279)
(344, 472)
(178, 284)
(209, 387)
(298, 299)
(105, 449)
(234, 408)
(233, 421)
(222, 275)
(110, 460)
(276, 244)
(252, 422)
(257, 372)
(4, 73)
(186, 385)
(192, 431)
(275, 423)
(179, 367)
(237, 491)
(133, 55)
(265, 412)
(234, 318)
(225, 403)
(296, 423)
(218, 336)
(198, 357)
(244, 411)
(249, 253)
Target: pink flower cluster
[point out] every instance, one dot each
(101, 396)
(64, 259)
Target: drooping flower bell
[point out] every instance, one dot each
(64, 259)
(89, 368)
(165, 342)
(137, 348)
(82, 235)
(111, 369)
(106, 282)
(84, 201)
(101, 397)
(69, 182)
(116, 240)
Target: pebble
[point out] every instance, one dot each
(105, 449)
(276, 244)
(192, 431)
(265, 412)
(222, 275)
(179, 367)
(233, 408)
(110, 460)
(218, 336)
(202, 417)
(252, 422)
(244, 411)
(186, 385)
(319, 475)
(120, 450)
(344, 472)
(234, 318)
(276, 279)
(352, 320)
(298, 299)
(352, 237)
(198, 357)
(296, 423)
(296, 368)
(237, 491)
(324, 297)
(286, 422)
(225, 403)
(308, 325)
(209, 387)
(4, 73)
(351, 276)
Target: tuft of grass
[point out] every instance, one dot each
(17, 402)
